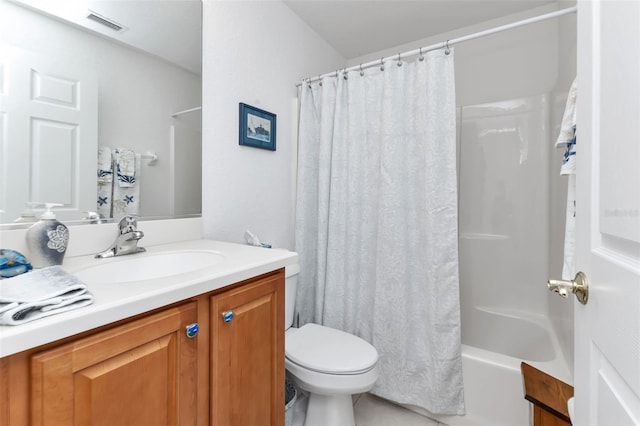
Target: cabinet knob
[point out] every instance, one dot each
(192, 330)
(227, 316)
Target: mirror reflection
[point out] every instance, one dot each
(89, 84)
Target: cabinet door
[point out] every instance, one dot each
(140, 373)
(247, 355)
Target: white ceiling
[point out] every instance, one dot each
(171, 29)
(359, 27)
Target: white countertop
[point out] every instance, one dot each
(114, 302)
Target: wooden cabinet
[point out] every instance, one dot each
(548, 395)
(146, 371)
(247, 354)
(140, 373)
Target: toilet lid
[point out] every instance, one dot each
(331, 351)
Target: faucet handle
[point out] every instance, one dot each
(128, 224)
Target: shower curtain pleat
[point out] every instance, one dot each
(376, 223)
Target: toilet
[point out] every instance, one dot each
(331, 365)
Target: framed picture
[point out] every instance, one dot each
(257, 127)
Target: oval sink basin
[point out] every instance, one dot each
(147, 266)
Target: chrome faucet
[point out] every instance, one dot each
(93, 217)
(126, 241)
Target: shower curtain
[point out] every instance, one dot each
(376, 222)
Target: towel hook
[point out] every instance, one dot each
(421, 57)
(447, 50)
(361, 72)
(399, 63)
(381, 64)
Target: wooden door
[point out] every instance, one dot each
(247, 354)
(141, 373)
(607, 328)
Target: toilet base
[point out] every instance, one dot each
(335, 410)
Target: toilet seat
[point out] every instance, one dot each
(329, 351)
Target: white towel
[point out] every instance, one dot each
(103, 204)
(126, 200)
(105, 164)
(41, 293)
(569, 264)
(126, 167)
(105, 181)
(567, 139)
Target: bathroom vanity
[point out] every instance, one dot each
(135, 356)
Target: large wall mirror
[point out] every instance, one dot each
(79, 79)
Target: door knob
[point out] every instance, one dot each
(578, 286)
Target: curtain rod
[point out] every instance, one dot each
(449, 43)
(175, 114)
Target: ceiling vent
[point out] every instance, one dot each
(105, 21)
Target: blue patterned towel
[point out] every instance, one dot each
(105, 165)
(126, 167)
(567, 137)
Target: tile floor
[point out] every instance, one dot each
(373, 411)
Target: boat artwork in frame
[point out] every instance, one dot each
(257, 127)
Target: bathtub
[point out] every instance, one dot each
(494, 343)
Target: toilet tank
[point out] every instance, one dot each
(290, 285)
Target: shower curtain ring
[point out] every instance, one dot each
(447, 50)
(320, 80)
(381, 64)
(309, 82)
(361, 72)
(421, 58)
(344, 74)
(399, 63)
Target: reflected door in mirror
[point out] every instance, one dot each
(50, 120)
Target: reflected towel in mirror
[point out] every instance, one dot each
(126, 199)
(126, 167)
(105, 164)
